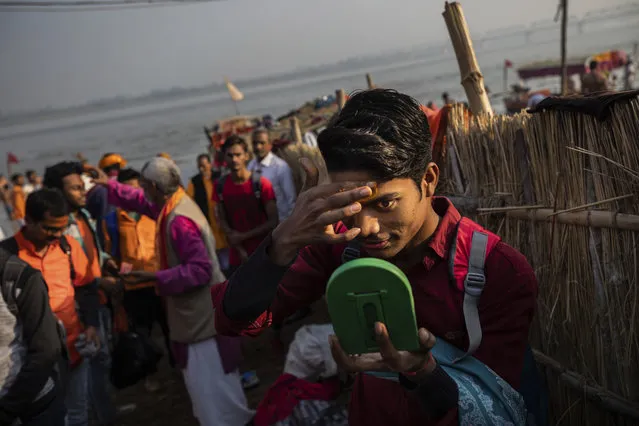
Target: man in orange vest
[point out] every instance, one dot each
(70, 280)
(130, 239)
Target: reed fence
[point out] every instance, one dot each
(563, 188)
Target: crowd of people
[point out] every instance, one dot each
(107, 249)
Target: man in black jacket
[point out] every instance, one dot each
(32, 372)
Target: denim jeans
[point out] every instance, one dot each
(77, 401)
(100, 373)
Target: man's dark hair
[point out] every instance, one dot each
(593, 65)
(381, 132)
(445, 95)
(54, 175)
(201, 156)
(30, 173)
(15, 177)
(234, 140)
(44, 201)
(128, 174)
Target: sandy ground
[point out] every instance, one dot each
(170, 405)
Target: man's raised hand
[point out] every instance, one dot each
(318, 207)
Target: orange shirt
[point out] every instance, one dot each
(137, 244)
(54, 266)
(220, 238)
(19, 201)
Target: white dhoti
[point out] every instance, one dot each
(218, 399)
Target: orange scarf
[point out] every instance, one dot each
(160, 232)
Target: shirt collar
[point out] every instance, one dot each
(442, 238)
(268, 160)
(24, 244)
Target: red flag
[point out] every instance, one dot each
(12, 159)
(508, 64)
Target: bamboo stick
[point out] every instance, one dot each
(564, 42)
(593, 218)
(540, 213)
(593, 392)
(593, 204)
(341, 99)
(369, 81)
(508, 209)
(472, 79)
(296, 132)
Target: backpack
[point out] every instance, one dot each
(471, 247)
(14, 270)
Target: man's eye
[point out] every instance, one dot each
(386, 204)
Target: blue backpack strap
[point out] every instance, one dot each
(111, 222)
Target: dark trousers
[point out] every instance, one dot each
(53, 415)
(144, 308)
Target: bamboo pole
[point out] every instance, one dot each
(341, 99)
(564, 42)
(591, 218)
(603, 397)
(472, 79)
(490, 210)
(296, 132)
(369, 81)
(593, 204)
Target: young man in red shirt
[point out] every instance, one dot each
(246, 205)
(378, 155)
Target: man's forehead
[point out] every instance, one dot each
(55, 222)
(72, 178)
(261, 137)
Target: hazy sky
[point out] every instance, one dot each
(66, 58)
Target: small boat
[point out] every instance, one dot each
(577, 66)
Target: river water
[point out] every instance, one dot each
(176, 126)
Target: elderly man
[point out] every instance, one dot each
(188, 269)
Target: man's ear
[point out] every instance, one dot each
(430, 180)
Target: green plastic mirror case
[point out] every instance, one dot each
(368, 290)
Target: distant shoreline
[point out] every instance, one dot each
(354, 65)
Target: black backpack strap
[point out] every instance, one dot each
(66, 247)
(351, 252)
(256, 184)
(219, 188)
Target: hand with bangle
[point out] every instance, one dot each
(412, 365)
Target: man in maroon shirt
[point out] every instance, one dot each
(244, 218)
(378, 155)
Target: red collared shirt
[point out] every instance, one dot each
(506, 310)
